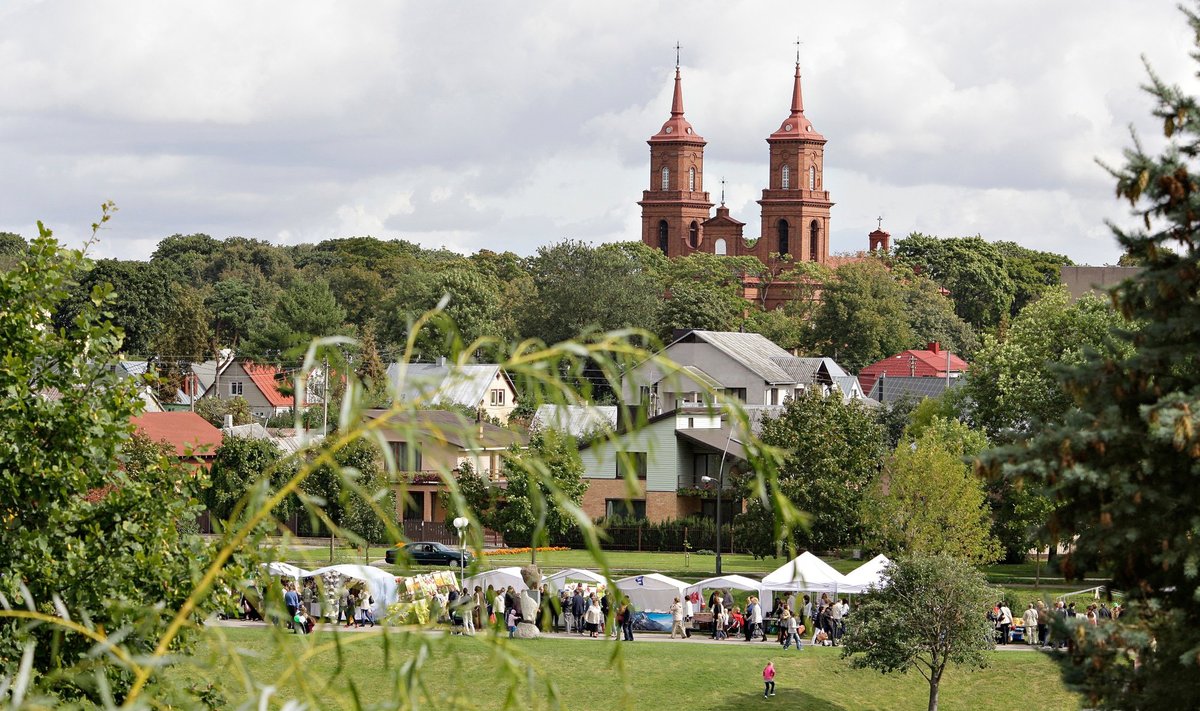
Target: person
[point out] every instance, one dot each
(510, 601)
(1104, 613)
(1030, 618)
(564, 600)
(292, 601)
(1004, 622)
(467, 602)
(490, 597)
(713, 598)
(350, 608)
(748, 621)
(627, 623)
(737, 622)
(593, 619)
(1043, 617)
(579, 606)
(677, 619)
(364, 605)
(727, 600)
(720, 620)
(792, 630)
(756, 621)
(790, 602)
(605, 609)
(806, 615)
(835, 621)
(480, 610)
(510, 621)
(689, 611)
(769, 679)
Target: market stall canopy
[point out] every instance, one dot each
(808, 573)
(868, 575)
(560, 579)
(734, 582)
(286, 570)
(381, 584)
(499, 578)
(652, 591)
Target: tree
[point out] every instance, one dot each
(141, 295)
(971, 269)
(931, 318)
(1033, 272)
(305, 310)
(700, 306)
(928, 499)
(238, 464)
(928, 616)
(214, 409)
(1122, 460)
(232, 311)
(581, 288)
(350, 492)
(542, 480)
(862, 316)
(1015, 382)
(84, 538)
(834, 449)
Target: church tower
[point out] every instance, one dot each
(676, 206)
(795, 206)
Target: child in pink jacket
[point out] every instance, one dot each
(769, 680)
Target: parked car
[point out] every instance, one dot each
(428, 553)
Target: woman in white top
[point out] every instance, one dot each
(594, 617)
(364, 605)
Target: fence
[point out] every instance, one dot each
(443, 532)
(693, 536)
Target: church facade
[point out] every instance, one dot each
(677, 214)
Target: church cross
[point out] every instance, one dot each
(722, 192)
(676, 54)
(880, 221)
(797, 43)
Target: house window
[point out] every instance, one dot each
(738, 394)
(407, 456)
(774, 396)
(782, 229)
(235, 388)
(414, 510)
(786, 177)
(635, 508)
(497, 397)
(632, 462)
(719, 247)
(662, 236)
(692, 179)
(812, 177)
(666, 178)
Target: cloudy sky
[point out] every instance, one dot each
(511, 125)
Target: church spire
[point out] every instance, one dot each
(677, 127)
(797, 126)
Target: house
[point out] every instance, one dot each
(933, 362)
(476, 386)
(670, 454)
(746, 366)
(426, 444)
(258, 384)
(891, 388)
(575, 420)
(287, 441)
(191, 437)
(136, 370)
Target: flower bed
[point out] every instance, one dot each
(518, 551)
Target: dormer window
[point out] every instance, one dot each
(812, 177)
(692, 179)
(666, 178)
(785, 176)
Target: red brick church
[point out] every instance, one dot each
(676, 209)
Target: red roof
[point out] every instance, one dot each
(186, 432)
(929, 363)
(266, 379)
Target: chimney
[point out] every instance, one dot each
(441, 361)
(228, 425)
(935, 346)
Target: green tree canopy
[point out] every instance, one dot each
(930, 615)
(834, 450)
(970, 268)
(543, 481)
(862, 316)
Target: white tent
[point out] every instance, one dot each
(652, 591)
(381, 584)
(867, 575)
(286, 570)
(499, 578)
(735, 582)
(805, 573)
(561, 579)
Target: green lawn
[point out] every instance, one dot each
(584, 674)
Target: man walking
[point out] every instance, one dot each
(676, 619)
(627, 623)
(291, 599)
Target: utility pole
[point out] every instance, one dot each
(325, 400)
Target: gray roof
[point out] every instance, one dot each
(444, 384)
(723, 440)
(575, 420)
(891, 388)
(753, 350)
(287, 441)
(445, 426)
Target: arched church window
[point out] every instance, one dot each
(694, 235)
(666, 178)
(719, 247)
(814, 240)
(663, 240)
(812, 177)
(785, 176)
(692, 179)
(784, 248)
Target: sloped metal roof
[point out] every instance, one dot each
(752, 350)
(575, 420)
(437, 384)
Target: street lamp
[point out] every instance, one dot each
(720, 480)
(460, 524)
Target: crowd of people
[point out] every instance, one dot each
(1035, 623)
(306, 606)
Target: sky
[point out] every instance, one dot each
(509, 126)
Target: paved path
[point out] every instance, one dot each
(651, 637)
